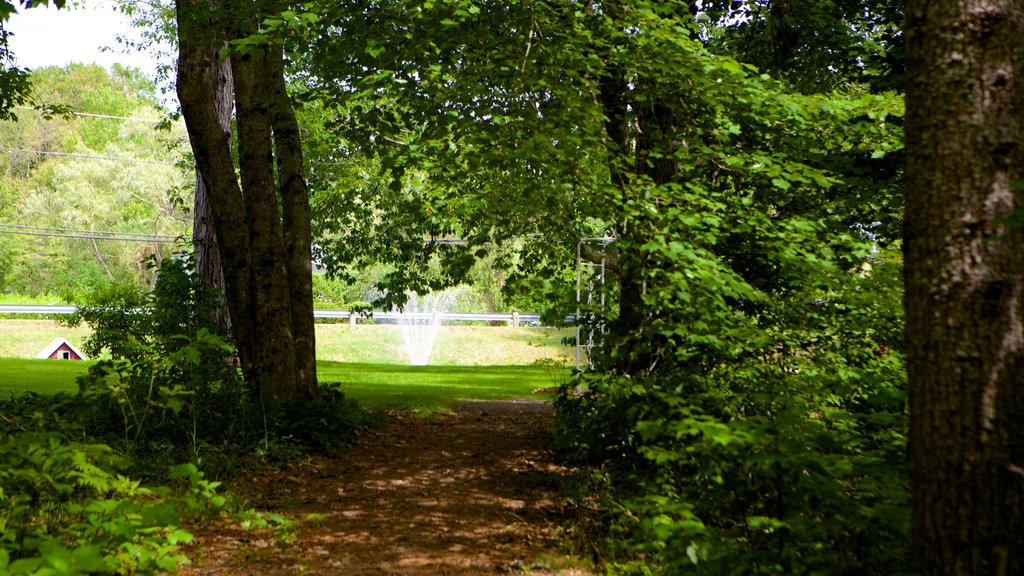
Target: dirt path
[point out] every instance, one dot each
(467, 493)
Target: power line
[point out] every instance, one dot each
(98, 233)
(39, 231)
(105, 116)
(91, 156)
(86, 156)
(88, 234)
(93, 237)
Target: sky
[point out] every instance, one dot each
(49, 37)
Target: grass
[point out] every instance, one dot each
(364, 344)
(43, 376)
(366, 361)
(431, 388)
(21, 338)
(455, 345)
(376, 386)
(38, 300)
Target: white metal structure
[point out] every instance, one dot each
(590, 278)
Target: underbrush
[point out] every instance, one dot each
(88, 485)
(66, 509)
(716, 442)
(676, 483)
(91, 482)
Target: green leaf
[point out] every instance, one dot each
(26, 565)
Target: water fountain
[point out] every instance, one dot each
(420, 322)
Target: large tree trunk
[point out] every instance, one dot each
(641, 135)
(614, 97)
(964, 263)
(275, 350)
(212, 148)
(246, 215)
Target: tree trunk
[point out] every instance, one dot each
(614, 92)
(641, 135)
(212, 148)
(296, 222)
(208, 264)
(965, 284)
(275, 348)
(247, 218)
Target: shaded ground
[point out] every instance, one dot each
(471, 492)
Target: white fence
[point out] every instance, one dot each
(514, 319)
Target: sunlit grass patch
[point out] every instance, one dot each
(24, 338)
(432, 388)
(41, 376)
(376, 386)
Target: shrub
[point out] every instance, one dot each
(170, 389)
(64, 509)
(766, 441)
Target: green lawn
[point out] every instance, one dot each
(455, 345)
(368, 363)
(24, 338)
(366, 344)
(43, 376)
(430, 388)
(424, 388)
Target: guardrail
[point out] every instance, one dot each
(34, 309)
(514, 319)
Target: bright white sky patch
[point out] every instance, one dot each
(49, 37)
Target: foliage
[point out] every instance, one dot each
(159, 398)
(42, 299)
(436, 146)
(752, 469)
(745, 413)
(750, 345)
(752, 420)
(130, 323)
(65, 509)
(331, 293)
(15, 86)
(171, 385)
(481, 289)
(324, 426)
(815, 46)
(150, 391)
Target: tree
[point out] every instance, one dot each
(747, 407)
(965, 284)
(108, 169)
(262, 219)
(478, 102)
